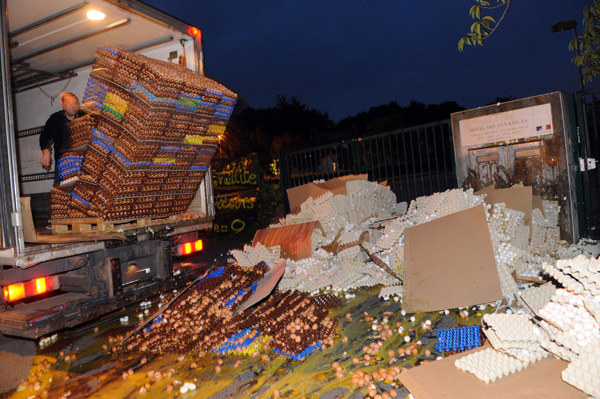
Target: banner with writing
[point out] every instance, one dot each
(236, 185)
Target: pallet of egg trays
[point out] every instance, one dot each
(288, 322)
(146, 147)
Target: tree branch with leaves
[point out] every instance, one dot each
(485, 24)
(588, 57)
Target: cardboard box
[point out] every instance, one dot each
(297, 195)
(441, 379)
(295, 240)
(30, 235)
(517, 198)
(449, 262)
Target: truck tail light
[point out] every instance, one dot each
(14, 292)
(189, 248)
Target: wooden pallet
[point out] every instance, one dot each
(87, 225)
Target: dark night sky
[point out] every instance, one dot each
(344, 56)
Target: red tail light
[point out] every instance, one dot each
(14, 292)
(188, 248)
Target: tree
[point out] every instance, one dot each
(589, 43)
(267, 131)
(391, 116)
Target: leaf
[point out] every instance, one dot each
(461, 44)
(489, 18)
(474, 11)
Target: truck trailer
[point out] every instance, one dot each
(48, 48)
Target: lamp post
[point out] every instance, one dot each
(566, 25)
(561, 27)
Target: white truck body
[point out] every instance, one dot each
(48, 48)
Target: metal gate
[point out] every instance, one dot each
(414, 162)
(420, 161)
(584, 109)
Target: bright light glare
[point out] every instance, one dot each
(40, 285)
(96, 15)
(14, 292)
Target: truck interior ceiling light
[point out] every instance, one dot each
(96, 15)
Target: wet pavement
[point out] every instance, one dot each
(81, 363)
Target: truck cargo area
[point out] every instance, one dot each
(55, 272)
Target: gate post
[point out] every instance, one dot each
(285, 181)
(356, 157)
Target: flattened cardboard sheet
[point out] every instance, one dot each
(517, 198)
(449, 263)
(30, 235)
(537, 203)
(264, 286)
(297, 195)
(295, 240)
(489, 191)
(441, 379)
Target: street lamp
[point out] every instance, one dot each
(566, 25)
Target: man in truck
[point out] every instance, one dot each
(56, 131)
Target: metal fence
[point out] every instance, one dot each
(414, 162)
(585, 116)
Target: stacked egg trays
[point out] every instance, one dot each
(566, 325)
(204, 320)
(145, 146)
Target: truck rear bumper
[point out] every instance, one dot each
(67, 310)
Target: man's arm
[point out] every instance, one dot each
(46, 139)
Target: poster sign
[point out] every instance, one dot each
(235, 183)
(504, 126)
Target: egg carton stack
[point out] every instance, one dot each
(536, 298)
(366, 208)
(515, 335)
(489, 365)
(252, 255)
(147, 143)
(545, 235)
(568, 327)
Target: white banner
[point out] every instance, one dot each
(504, 126)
